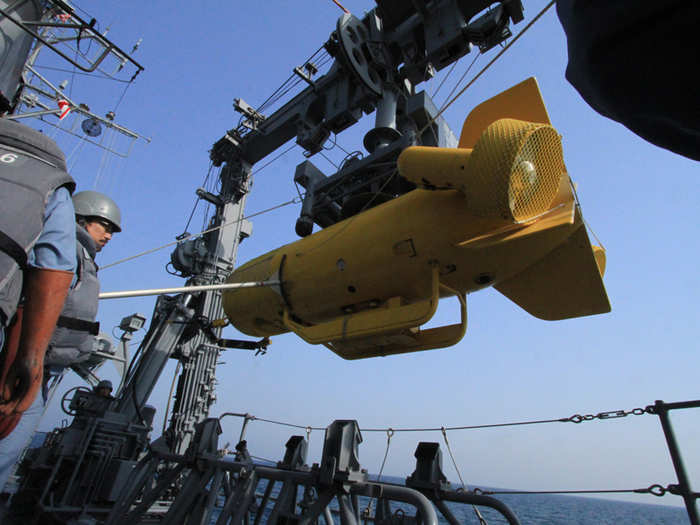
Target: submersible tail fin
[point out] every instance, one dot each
(565, 283)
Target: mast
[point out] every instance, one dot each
(196, 385)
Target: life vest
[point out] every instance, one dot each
(32, 167)
(73, 340)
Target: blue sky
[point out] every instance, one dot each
(640, 201)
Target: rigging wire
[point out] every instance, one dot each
(295, 200)
(197, 199)
(487, 66)
(389, 435)
(336, 2)
(290, 84)
(655, 489)
(75, 153)
(328, 159)
(335, 143)
(294, 81)
(128, 85)
(85, 56)
(478, 55)
(576, 419)
(80, 142)
(106, 157)
(301, 197)
(204, 230)
(280, 423)
(275, 95)
(170, 396)
(76, 6)
(578, 204)
(101, 76)
(452, 68)
(72, 77)
(123, 168)
(481, 519)
(290, 148)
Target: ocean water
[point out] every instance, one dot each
(571, 510)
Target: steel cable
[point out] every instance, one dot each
(295, 200)
(655, 490)
(487, 66)
(454, 65)
(389, 434)
(481, 519)
(466, 72)
(576, 418)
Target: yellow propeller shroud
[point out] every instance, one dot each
(496, 211)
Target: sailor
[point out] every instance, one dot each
(104, 389)
(97, 217)
(37, 261)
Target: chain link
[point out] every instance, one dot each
(660, 490)
(612, 414)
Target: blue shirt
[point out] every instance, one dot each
(55, 247)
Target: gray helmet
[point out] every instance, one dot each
(105, 383)
(95, 204)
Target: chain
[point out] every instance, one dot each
(612, 414)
